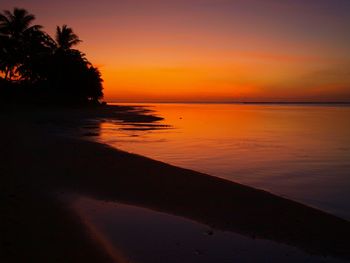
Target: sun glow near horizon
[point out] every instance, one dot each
(206, 50)
(231, 76)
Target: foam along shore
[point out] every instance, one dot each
(38, 165)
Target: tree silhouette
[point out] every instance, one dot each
(65, 37)
(38, 50)
(74, 78)
(15, 32)
(36, 66)
(5, 58)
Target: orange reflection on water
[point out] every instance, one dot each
(286, 149)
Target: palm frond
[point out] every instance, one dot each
(66, 38)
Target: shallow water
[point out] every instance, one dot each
(298, 151)
(134, 234)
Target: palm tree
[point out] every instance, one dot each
(66, 38)
(4, 56)
(17, 23)
(38, 52)
(51, 67)
(15, 27)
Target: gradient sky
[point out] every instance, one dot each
(210, 50)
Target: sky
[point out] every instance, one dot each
(209, 50)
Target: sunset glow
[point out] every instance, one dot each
(210, 50)
(175, 131)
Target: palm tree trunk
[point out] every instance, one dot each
(6, 73)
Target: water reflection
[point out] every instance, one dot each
(142, 235)
(301, 152)
(216, 203)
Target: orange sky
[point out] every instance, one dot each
(210, 50)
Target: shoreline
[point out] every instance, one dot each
(36, 164)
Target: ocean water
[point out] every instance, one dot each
(135, 234)
(301, 152)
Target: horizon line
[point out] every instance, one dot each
(236, 102)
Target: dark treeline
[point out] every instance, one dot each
(34, 67)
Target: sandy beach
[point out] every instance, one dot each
(39, 166)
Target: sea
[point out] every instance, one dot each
(297, 151)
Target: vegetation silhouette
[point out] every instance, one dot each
(36, 68)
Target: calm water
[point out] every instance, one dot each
(297, 151)
(138, 235)
(301, 152)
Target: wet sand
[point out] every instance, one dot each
(38, 166)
